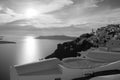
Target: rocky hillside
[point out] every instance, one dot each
(86, 41)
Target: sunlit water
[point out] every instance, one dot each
(26, 50)
(29, 51)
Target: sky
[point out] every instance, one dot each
(34, 15)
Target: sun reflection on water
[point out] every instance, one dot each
(29, 50)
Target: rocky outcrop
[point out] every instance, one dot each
(86, 41)
(70, 49)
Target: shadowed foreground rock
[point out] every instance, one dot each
(100, 73)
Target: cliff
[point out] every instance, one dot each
(86, 41)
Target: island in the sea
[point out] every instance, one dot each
(57, 37)
(2, 41)
(7, 42)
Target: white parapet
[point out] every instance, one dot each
(42, 70)
(53, 69)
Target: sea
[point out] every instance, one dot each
(26, 50)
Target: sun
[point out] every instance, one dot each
(31, 13)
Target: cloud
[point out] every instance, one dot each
(98, 20)
(0, 8)
(91, 3)
(10, 15)
(88, 12)
(110, 16)
(44, 21)
(42, 5)
(79, 8)
(55, 5)
(60, 13)
(60, 16)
